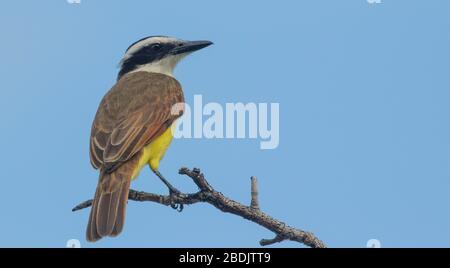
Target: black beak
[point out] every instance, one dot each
(190, 46)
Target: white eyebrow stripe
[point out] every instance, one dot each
(152, 40)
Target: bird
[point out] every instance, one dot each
(132, 127)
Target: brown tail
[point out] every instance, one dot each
(108, 208)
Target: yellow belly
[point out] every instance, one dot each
(154, 152)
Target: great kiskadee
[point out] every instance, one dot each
(132, 127)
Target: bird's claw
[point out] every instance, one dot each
(177, 206)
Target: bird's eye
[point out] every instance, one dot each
(156, 46)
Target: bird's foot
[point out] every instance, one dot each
(174, 193)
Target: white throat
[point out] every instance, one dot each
(164, 66)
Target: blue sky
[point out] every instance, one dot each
(364, 97)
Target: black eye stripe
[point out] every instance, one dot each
(145, 55)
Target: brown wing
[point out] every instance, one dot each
(134, 112)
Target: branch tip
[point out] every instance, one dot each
(254, 204)
(277, 239)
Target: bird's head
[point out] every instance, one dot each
(159, 54)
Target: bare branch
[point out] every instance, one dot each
(207, 194)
